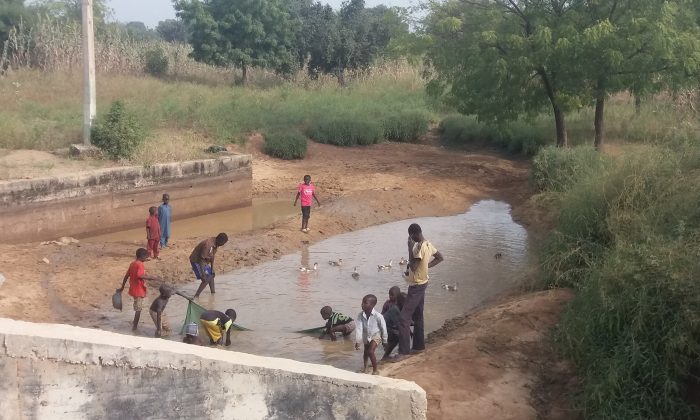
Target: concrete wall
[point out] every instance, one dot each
(63, 372)
(106, 200)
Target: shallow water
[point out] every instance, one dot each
(262, 213)
(275, 298)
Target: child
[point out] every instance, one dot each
(202, 260)
(192, 335)
(157, 311)
(371, 330)
(217, 324)
(165, 212)
(306, 191)
(393, 319)
(136, 274)
(393, 294)
(336, 323)
(153, 232)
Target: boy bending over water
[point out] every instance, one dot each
(216, 324)
(336, 323)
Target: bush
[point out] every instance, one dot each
(120, 134)
(557, 169)
(462, 130)
(156, 63)
(406, 126)
(627, 237)
(285, 145)
(345, 130)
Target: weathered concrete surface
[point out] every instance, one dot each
(64, 372)
(109, 199)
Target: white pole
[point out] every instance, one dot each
(90, 104)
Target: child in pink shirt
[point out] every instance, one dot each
(307, 192)
(153, 232)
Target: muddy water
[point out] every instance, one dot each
(262, 213)
(275, 298)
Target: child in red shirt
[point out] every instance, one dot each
(153, 232)
(136, 274)
(307, 192)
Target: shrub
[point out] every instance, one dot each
(627, 237)
(406, 126)
(285, 145)
(557, 169)
(156, 62)
(120, 134)
(345, 130)
(462, 130)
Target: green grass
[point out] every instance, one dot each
(288, 145)
(628, 239)
(43, 111)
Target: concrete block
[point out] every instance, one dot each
(63, 372)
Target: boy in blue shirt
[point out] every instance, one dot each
(165, 212)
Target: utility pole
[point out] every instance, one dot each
(89, 104)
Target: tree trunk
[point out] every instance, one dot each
(244, 75)
(559, 119)
(637, 105)
(562, 137)
(599, 121)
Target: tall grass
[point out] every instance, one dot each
(628, 237)
(42, 110)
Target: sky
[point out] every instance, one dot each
(151, 12)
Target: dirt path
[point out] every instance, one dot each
(358, 187)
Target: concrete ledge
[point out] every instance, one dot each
(60, 371)
(106, 200)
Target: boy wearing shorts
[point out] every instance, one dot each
(136, 275)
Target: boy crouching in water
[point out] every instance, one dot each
(371, 330)
(336, 323)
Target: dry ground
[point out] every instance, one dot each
(483, 367)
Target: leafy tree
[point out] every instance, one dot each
(642, 47)
(240, 33)
(172, 30)
(138, 30)
(72, 10)
(11, 13)
(500, 59)
(348, 40)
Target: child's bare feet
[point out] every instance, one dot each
(375, 372)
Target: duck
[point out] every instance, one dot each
(308, 270)
(450, 287)
(385, 267)
(498, 255)
(403, 261)
(355, 274)
(336, 263)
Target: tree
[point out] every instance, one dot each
(240, 33)
(640, 47)
(499, 59)
(72, 10)
(172, 30)
(11, 13)
(138, 30)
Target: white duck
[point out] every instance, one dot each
(355, 274)
(403, 261)
(450, 287)
(308, 270)
(336, 263)
(385, 267)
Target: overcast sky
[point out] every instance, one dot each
(151, 12)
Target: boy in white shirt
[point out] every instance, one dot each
(370, 330)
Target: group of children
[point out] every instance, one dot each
(372, 328)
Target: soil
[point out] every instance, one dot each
(484, 365)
